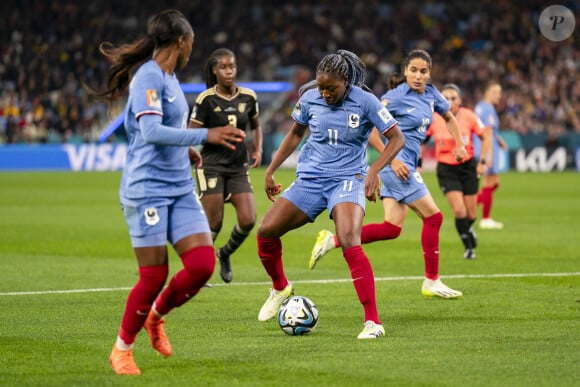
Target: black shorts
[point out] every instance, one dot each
(222, 180)
(462, 177)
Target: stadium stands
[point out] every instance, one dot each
(50, 48)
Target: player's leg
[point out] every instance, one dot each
(191, 239)
(432, 217)
(348, 221)
(242, 198)
(147, 223)
(485, 197)
(450, 178)
(282, 217)
(211, 187)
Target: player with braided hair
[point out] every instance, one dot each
(332, 174)
(412, 99)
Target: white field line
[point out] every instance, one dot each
(322, 281)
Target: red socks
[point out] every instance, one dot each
(485, 197)
(363, 280)
(270, 253)
(430, 243)
(198, 266)
(151, 281)
(379, 232)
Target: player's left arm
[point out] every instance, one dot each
(501, 142)
(460, 152)
(257, 136)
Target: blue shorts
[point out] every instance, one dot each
(405, 191)
(154, 221)
(312, 196)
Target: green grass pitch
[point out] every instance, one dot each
(66, 267)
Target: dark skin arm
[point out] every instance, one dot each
(288, 145)
(395, 144)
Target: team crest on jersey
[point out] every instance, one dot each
(153, 99)
(151, 216)
(212, 183)
(385, 115)
(242, 107)
(353, 120)
(297, 107)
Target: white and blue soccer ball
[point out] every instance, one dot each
(297, 316)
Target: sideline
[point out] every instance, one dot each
(326, 281)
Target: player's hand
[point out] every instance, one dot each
(372, 186)
(227, 136)
(460, 153)
(502, 144)
(272, 189)
(400, 169)
(481, 169)
(257, 157)
(195, 157)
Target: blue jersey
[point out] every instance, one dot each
(487, 114)
(339, 134)
(414, 112)
(159, 169)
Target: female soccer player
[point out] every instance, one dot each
(224, 174)
(485, 110)
(459, 181)
(332, 174)
(412, 101)
(157, 189)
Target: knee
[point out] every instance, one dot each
(434, 220)
(247, 224)
(266, 229)
(199, 261)
(392, 231)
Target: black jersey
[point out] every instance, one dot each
(212, 109)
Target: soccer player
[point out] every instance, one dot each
(157, 189)
(459, 181)
(412, 100)
(485, 110)
(223, 176)
(332, 174)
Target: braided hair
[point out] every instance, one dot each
(396, 79)
(344, 64)
(210, 77)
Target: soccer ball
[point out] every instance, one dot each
(297, 316)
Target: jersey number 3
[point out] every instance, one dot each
(233, 120)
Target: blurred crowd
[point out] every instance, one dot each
(49, 50)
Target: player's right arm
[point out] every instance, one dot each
(288, 145)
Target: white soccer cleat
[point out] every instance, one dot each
(490, 224)
(439, 289)
(272, 304)
(371, 330)
(324, 243)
